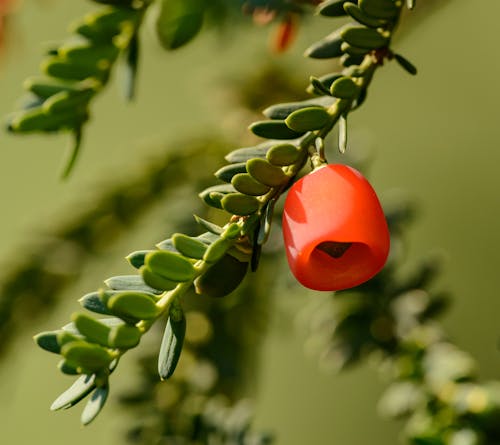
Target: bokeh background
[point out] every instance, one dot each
(433, 137)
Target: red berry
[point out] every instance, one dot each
(335, 232)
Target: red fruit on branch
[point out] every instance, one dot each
(335, 232)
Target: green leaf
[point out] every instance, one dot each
(354, 50)
(129, 67)
(45, 87)
(80, 389)
(157, 281)
(166, 244)
(88, 53)
(171, 345)
(129, 282)
(72, 70)
(179, 21)
(381, 9)
(328, 47)
(48, 340)
(274, 129)
(344, 88)
(67, 369)
(170, 265)
(360, 16)
(217, 250)
(242, 155)
(308, 119)
(91, 329)
(282, 111)
(406, 64)
(207, 225)
(348, 60)
(239, 204)
(222, 278)
(130, 305)
(266, 222)
(364, 37)
(227, 172)
(246, 184)
(95, 404)
(266, 173)
(136, 259)
(87, 356)
(283, 154)
(124, 336)
(332, 8)
(96, 301)
(342, 134)
(189, 246)
(213, 195)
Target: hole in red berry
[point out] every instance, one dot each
(334, 248)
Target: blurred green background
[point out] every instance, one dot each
(433, 137)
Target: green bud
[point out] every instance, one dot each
(171, 266)
(274, 129)
(308, 119)
(246, 184)
(266, 173)
(239, 204)
(133, 306)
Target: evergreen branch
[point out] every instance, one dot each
(32, 286)
(217, 261)
(76, 71)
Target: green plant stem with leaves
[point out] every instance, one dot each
(217, 260)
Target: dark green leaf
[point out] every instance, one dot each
(129, 282)
(179, 21)
(95, 404)
(171, 345)
(274, 129)
(82, 387)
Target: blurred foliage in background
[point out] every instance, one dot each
(424, 142)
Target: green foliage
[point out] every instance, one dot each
(435, 386)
